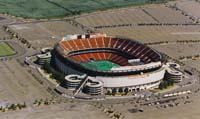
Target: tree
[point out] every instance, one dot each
(35, 102)
(108, 92)
(24, 105)
(170, 82)
(165, 84)
(19, 106)
(161, 85)
(126, 90)
(114, 91)
(120, 90)
(12, 106)
(47, 67)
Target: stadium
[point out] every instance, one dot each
(115, 61)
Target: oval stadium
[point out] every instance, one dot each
(115, 61)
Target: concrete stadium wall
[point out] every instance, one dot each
(65, 69)
(147, 80)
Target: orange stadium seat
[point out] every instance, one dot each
(83, 57)
(99, 42)
(67, 45)
(92, 42)
(72, 44)
(78, 58)
(64, 47)
(85, 43)
(90, 55)
(107, 54)
(102, 56)
(96, 56)
(87, 57)
(106, 41)
(110, 56)
(79, 44)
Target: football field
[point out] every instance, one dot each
(100, 65)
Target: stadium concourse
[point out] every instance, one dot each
(119, 63)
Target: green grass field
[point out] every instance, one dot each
(6, 50)
(60, 8)
(100, 65)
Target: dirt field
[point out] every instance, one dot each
(45, 34)
(147, 34)
(183, 111)
(164, 14)
(193, 63)
(59, 111)
(177, 50)
(135, 15)
(6, 19)
(190, 7)
(17, 85)
(132, 15)
(2, 33)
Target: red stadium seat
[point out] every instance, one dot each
(118, 43)
(114, 56)
(113, 42)
(127, 46)
(123, 45)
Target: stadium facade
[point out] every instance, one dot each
(115, 61)
(173, 72)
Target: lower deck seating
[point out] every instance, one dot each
(97, 56)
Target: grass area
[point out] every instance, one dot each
(6, 50)
(122, 94)
(30, 8)
(100, 65)
(60, 8)
(165, 89)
